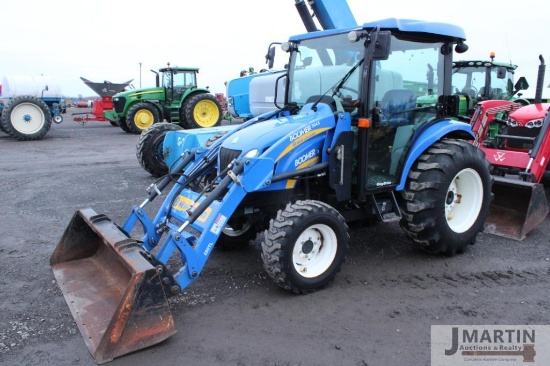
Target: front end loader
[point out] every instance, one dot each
(349, 144)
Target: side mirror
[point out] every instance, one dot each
(381, 49)
(521, 84)
(307, 61)
(270, 57)
(501, 72)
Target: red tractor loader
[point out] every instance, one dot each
(518, 156)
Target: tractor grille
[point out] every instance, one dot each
(226, 156)
(522, 132)
(118, 104)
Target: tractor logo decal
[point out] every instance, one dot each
(138, 94)
(219, 224)
(306, 159)
(499, 156)
(185, 204)
(300, 137)
(302, 162)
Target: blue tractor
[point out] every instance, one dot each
(349, 144)
(29, 104)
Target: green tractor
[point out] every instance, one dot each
(478, 80)
(178, 100)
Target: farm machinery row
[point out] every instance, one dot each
(347, 145)
(346, 142)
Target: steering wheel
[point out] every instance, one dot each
(338, 92)
(473, 91)
(346, 103)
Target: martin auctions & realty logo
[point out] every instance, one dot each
(490, 345)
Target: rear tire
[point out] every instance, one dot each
(447, 197)
(26, 118)
(236, 237)
(202, 110)
(141, 116)
(149, 149)
(305, 246)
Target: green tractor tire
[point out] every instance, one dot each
(141, 116)
(202, 111)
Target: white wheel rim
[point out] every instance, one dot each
(27, 118)
(314, 250)
(463, 201)
(229, 231)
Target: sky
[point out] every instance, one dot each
(120, 40)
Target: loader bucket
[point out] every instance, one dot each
(115, 295)
(517, 208)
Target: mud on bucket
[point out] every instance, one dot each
(114, 294)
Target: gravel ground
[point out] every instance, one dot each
(378, 311)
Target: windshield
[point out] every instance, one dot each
(185, 79)
(470, 81)
(320, 64)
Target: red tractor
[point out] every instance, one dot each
(518, 155)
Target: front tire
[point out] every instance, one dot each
(26, 118)
(305, 246)
(149, 149)
(447, 197)
(202, 110)
(123, 125)
(141, 116)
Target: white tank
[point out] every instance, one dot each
(15, 85)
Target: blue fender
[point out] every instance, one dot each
(427, 138)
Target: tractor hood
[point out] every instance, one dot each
(284, 130)
(145, 93)
(531, 115)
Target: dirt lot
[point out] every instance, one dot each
(378, 311)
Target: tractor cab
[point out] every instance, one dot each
(177, 81)
(479, 80)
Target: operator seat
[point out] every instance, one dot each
(397, 105)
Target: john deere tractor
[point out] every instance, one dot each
(178, 100)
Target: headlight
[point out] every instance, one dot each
(510, 122)
(252, 153)
(534, 123)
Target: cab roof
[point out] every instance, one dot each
(401, 25)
